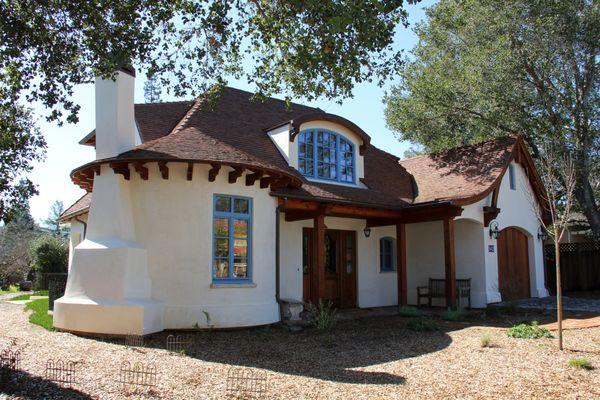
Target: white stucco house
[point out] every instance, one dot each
(232, 209)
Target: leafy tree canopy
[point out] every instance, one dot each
(306, 48)
(485, 68)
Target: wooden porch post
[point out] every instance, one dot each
(401, 263)
(450, 262)
(318, 270)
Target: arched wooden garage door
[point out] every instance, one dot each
(513, 264)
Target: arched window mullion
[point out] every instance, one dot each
(331, 141)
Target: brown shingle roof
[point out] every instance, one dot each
(462, 174)
(79, 207)
(156, 120)
(229, 132)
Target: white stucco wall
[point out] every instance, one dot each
(516, 211)
(173, 221)
(76, 234)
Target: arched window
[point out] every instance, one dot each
(387, 259)
(323, 154)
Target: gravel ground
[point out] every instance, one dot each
(371, 358)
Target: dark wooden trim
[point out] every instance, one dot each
(235, 174)
(120, 168)
(190, 171)
(164, 170)
(267, 180)
(97, 169)
(450, 262)
(401, 264)
(280, 183)
(318, 270)
(489, 214)
(141, 170)
(374, 216)
(253, 177)
(213, 172)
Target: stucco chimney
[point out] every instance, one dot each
(115, 124)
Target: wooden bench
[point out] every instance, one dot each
(437, 290)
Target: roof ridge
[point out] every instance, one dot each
(477, 144)
(164, 103)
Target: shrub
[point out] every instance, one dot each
(486, 340)
(580, 363)
(525, 331)
(406, 311)
(323, 315)
(422, 325)
(453, 315)
(49, 255)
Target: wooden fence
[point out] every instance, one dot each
(580, 267)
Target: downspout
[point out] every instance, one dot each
(277, 265)
(84, 225)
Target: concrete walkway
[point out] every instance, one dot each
(589, 305)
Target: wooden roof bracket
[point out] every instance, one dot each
(121, 168)
(491, 212)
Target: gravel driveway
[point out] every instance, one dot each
(372, 358)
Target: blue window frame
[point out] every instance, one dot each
(232, 239)
(323, 154)
(387, 259)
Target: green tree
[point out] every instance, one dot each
(15, 240)
(21, 143)
(53, 220)
(152, 89)
(485, 68)
(48, 254)
(305, 48)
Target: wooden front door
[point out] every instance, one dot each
(340, 266)
(513, 264)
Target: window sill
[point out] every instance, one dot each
(226, 285)
(387, 271)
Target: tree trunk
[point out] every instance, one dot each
(558, 293)
(586, 200)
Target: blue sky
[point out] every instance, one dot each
(64, 153)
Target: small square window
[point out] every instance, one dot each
(240, 206)
(223, 204)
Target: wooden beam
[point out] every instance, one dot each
(235, 174)
(213, 172)
(251, 178)
(489, 214)
(318, 270)
(450, 262)
(97, 169)
(141, 170)
(190, 171)
(401, 261)
(164, 170)
(266, 181)
(120, 168)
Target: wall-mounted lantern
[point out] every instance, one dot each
(367, 232)
(494, 231)
(542, 234)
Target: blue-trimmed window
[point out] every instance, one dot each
(232, 234)
(387, 259)
(323, 154)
